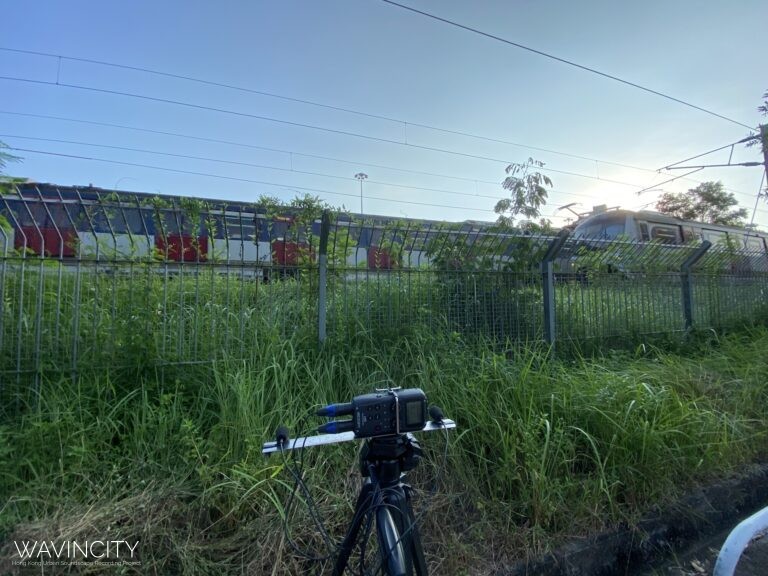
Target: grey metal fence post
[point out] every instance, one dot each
(685, 281)
(548, 285)
(325, 226)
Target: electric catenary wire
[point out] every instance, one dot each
(742, 141)
(320, 128)
(244, 89)
(252, 181)
(298, 124)
(568, 62)
(238, 179)
(280, 169)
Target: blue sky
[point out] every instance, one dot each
(371, 57)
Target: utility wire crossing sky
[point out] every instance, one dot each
(432, 104)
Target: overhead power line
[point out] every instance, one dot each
(260, 182)
(252, 181)
(568, 62)
(276, 168)
(639, 192)
(244, 89)
(240, 163)
(245, 145)
(238, 179)
(405, 123)
(298, 124)
(292, 153)
(742, 141)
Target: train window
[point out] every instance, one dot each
(32, 214)
(263, 229)
(689, 234)
(213, 225)
(278, 229)
(167, 222)
(643, 228)
(604, 227)
(100, 219)
(754, 243)
(666, 234)
(717, 237)
(364, 237)
(16, 209)
(377, 237)
(132, 218)
(241, 227)
(76, 214)
(61, 219)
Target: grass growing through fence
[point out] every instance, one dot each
(65, 319)
(545, 448)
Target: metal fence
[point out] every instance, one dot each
(91, 279)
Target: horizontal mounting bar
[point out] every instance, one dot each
(323, 439)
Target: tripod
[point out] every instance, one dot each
(383, 461)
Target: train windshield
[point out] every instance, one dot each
(603, 227)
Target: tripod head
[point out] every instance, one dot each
(389, 456)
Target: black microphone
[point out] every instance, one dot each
(436, 414)
(333, 410)
(281, 436)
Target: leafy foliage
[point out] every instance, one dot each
(301, 212)
(5, 157)
(708, 202)
(528, 188)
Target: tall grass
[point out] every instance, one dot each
(545, 447)
(69, 319)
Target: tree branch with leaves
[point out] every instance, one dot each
(528, 193)
(708, 202)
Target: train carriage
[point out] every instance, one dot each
(648, 226)
(71, 223)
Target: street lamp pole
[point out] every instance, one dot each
(361, 176)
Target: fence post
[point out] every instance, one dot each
(685, 281)
(325, 226)
(548, 285)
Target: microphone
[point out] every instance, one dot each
(435, 414)
(281, 436)
(333, 410)
(336, 426)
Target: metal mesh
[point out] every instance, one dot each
(92, 279)
(400, 277)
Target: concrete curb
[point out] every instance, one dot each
(625, 549)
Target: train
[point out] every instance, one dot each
(647, 226)
(71, 223)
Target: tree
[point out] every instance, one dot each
(528, 192)
(5, 157)
(4, 181)
(708, 202)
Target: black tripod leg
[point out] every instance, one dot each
(417, 552)
(345, 550)
(399, 500)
